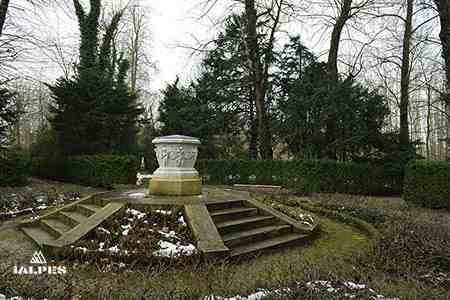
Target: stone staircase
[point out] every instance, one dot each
(247, 226)
(69, 223)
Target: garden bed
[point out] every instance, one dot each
(131, 236)
(38, 195)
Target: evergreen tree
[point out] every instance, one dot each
(181, 112)
(8, 114)
(225, 84)
(308, 98)
(95, 112)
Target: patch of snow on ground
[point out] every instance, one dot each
(104, 230)
(82, 249)
(354, 286)
(317, 285)
(114, 249)
(182, 221)
(126, 229)
(135, 213)
(168, 249)
(3, 297)
(164, 212)
(171, 234)
(40, 207)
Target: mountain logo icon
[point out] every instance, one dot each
(38, 258)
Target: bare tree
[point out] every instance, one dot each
(405, 72)
(4, 5)
(443, 8)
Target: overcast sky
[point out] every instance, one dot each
(176, 22)
(172, 23)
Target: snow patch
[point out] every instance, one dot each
(168, 249)
(114, 249)
(135, 213)
(182, 221)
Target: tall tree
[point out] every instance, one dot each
(181, 112)
(344, 15)
(226, 85)
(4, 5)
(8, 113)
(443, 8)
(307, 94)
(95, 112)
(405, 75)
(259, 61)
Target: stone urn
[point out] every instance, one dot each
(176, 175)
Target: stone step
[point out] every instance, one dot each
(90, 223)
(54, 226)
(225, 204)
(88, 209)
(230, 211)
(38, 234)
(232, 239)
(244, 223)
(233, 213)
(69, 224)
(276, 241)
(77, 217)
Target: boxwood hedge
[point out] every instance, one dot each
(304, 176)
(15, 167)
(427, 183)
(92, 170)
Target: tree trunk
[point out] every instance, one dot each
(3, 10)
(428, 137)
(336, 38)
(333, 73)
(253, 132)
(443, 8)
(256, 70)
(404, 84)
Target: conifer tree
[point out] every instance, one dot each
(95, 112)
(8, 113)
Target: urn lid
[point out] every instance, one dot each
(176, 139)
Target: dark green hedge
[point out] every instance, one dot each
(15, 167)
(304, 176)
(427, 183)
(92, 170)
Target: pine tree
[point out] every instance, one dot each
(8, 114)
(181, 112)
(95, 112)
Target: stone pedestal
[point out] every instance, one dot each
(176, 175)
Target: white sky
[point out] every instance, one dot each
(172, 23)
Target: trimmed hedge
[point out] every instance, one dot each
(427, 183)
(304, 176)
(15, 167)
(91, 170)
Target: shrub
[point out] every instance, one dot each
(303, 176)
(427, 183)
(93, 170)
(14, 167)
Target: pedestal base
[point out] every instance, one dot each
(175, 186)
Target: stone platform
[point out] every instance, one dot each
(223, 221)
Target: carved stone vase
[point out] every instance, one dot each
(176, 175)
